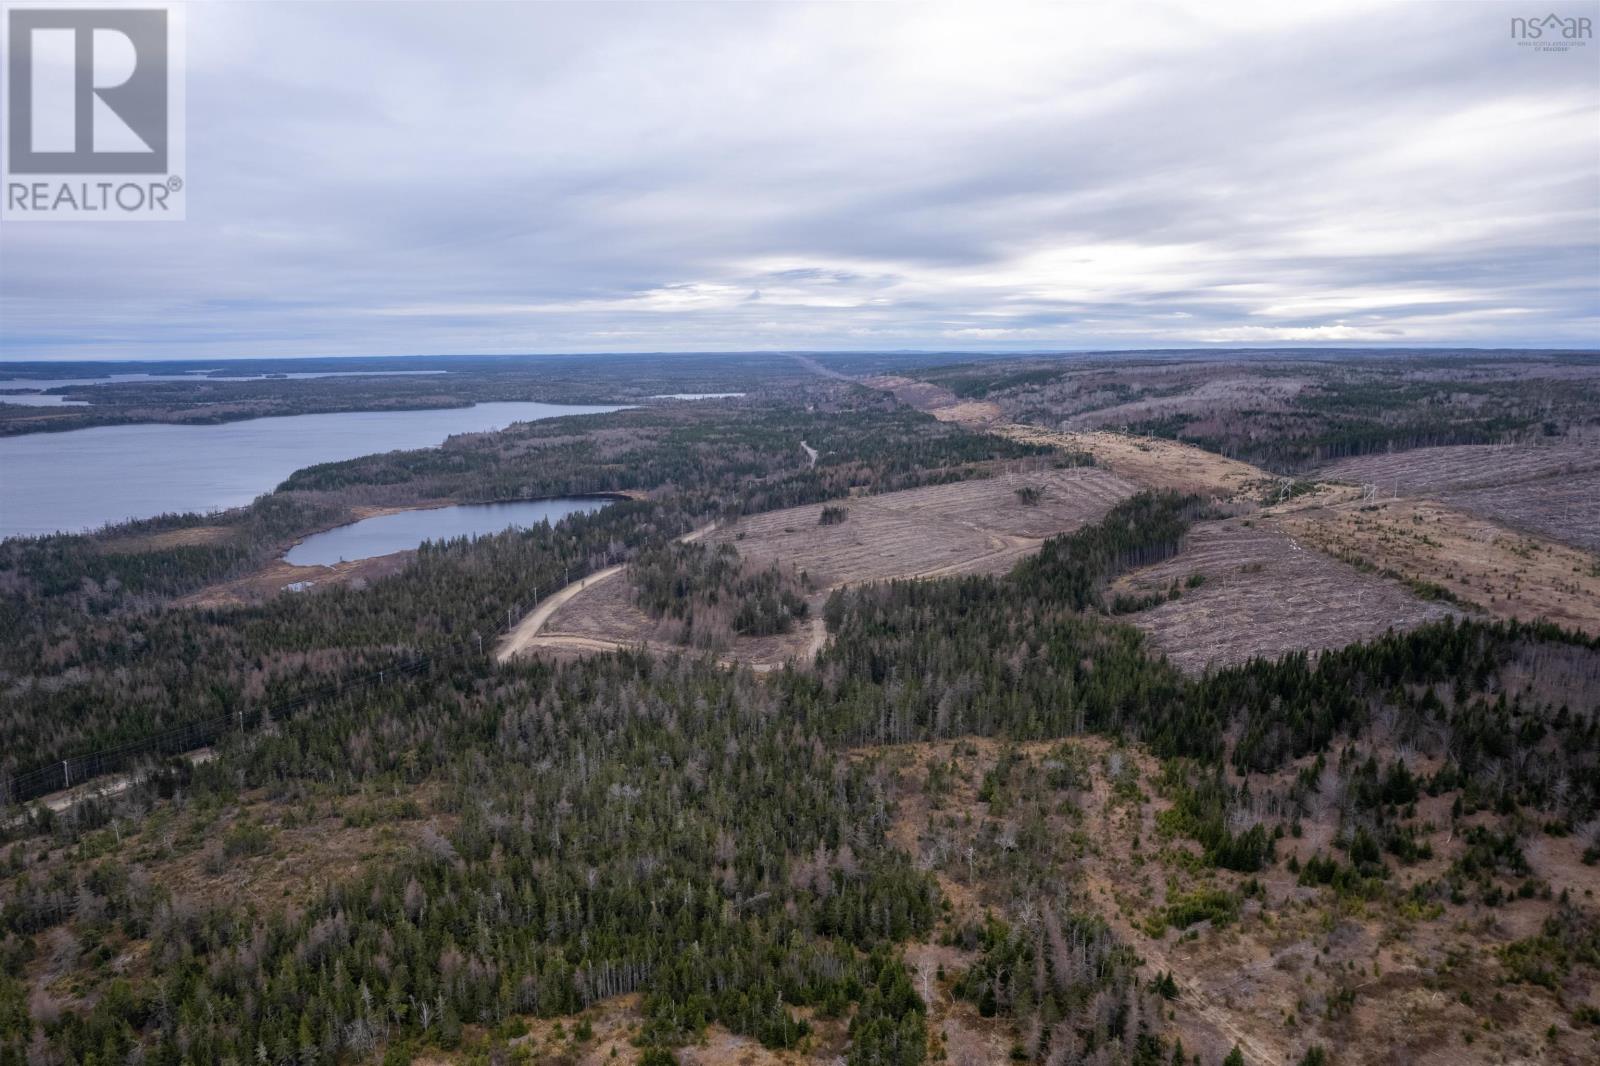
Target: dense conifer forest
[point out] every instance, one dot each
(709, 594)
(558, 832)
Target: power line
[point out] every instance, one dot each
(176, 740)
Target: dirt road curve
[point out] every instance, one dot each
(523, 633)
(534, 620)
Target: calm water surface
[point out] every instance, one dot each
(83, 479)
(43, 399)
(390, 533)
(38, 399)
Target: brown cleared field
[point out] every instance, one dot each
(978, 526)
(1498, 570)
(1264, 594)
(1467, 542)
(1150, 462)
(1428, 471)
(968, 527)
(1552, 490)
(937, 400)
(975, 412)
(1563, 507)
(1371, 982)
(1153, 462)
(922, 395)
(1497, 547)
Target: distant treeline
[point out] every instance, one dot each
(1289, 415)
(378, 384)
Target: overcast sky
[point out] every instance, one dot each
(393, 178)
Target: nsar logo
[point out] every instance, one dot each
(1552, 33)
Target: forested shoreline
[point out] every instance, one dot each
(89, 611)
(333, 386)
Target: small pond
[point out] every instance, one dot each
(405, 530)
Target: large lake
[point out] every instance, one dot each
(85, 478)
(39, 398)
(386, 534)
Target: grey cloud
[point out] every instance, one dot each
(371, 178)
